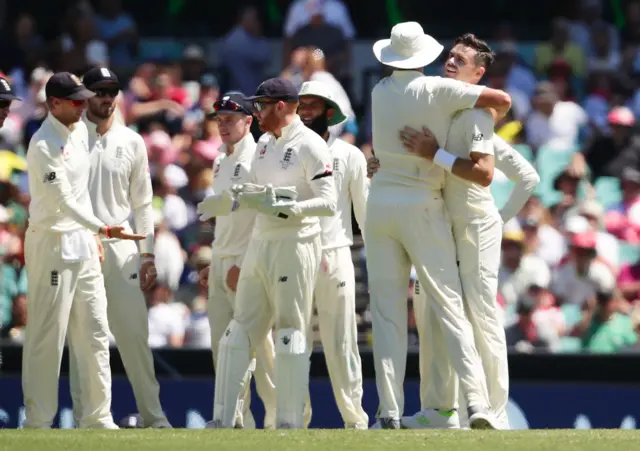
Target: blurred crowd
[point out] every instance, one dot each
(570, 274)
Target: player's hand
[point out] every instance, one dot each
(120, 233)
(283, 209)
(232, 278)
(203, 277)
(148, 275)
(100, 249)
(422, 144)
(373, 164)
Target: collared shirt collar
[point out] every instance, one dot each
(288, 130)
(332, 139)
(60, 127)
(92, 127)
(241, 146)
(407, 75)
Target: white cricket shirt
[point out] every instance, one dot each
(352, 185)
(58, 161)
(233, 232)
(409, 98)
(299, 158)
(119, 179)
(471, 131)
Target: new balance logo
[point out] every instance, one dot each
(286, 340)
(342, 284)
(477, 137)
(283, 279)
(49, 177)
(133, 276)
(54, 278)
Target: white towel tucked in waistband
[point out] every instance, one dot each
(77, 245)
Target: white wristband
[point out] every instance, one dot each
(444, 159)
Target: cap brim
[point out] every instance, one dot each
(254, 98)
(81, 94)
(9, 97)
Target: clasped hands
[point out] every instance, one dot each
(265, 199)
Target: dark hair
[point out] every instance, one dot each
(484, 55)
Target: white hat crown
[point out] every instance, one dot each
(407, 38)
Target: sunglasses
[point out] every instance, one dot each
(107, 92)
(5, 104)
(259, 106)
(75, 103)
(229, 105)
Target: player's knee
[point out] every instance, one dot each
(290, 341)
(234, 337)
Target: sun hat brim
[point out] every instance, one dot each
(429, 52)
(338, 116)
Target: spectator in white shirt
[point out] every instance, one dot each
(170, 257)
(166, 328)
(554, 123)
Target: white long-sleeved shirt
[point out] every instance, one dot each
(119, 179)
(299, 158)
(58, 161)
(233, 232)
(518, 170)
(352, 185)
(472, 131)
(409, 98)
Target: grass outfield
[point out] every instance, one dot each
(331, 440)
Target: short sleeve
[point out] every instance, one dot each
(453, 95)
(479, 132)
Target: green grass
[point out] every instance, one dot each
(331, 440)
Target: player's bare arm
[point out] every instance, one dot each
(478, 169)
(496, 99)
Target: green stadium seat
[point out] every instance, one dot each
(500, 190)
(570, 344)
(629, 253)
(608, 191)
(572, 314)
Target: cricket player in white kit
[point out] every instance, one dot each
(6, 98)
(477, 229)
(407, 222)
(232, 236)
(66, 287)
(119, 186)
(281, 266)
(335, 293)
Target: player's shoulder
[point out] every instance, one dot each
(476, 116)
(128, 135)
(351, 152)
(311, 141)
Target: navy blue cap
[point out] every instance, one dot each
(65, 85)
(100, 77)
(6, 92)
(234, 103)
(277, 89)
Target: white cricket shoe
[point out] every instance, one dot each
(432, 419)
(481, 419)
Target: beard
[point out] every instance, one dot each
(269, 122)
(320, 124)
(103, 110)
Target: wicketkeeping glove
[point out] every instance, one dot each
(216, 205)
(281, 208)
(256, 196)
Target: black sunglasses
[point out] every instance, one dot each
(107, 92)
(259, 106)
(229, 105)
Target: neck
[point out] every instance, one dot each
(288, 119)
(326, 135)
(69, 125)
(102, 125)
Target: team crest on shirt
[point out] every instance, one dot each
(336, 165)
(236, 173)
(119, 152)
(263, 151)
(286, 159)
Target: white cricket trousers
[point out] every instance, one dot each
(335, 297)
(129, 324)
(65, 300)
(220, 308)
(478, 245)
(399, 232)
(276, 285)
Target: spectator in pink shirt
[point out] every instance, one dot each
(624, 220)
(629, 281)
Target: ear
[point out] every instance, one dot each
(249, 120)
(330, 113)
(481, 71)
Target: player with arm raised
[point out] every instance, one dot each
(335, 293)
(406, 220)
(119, 186)
(66, 287)
(472, 153)
(232, 236)
(281, 266)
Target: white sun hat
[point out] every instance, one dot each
(408, 48)
(321, 90)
